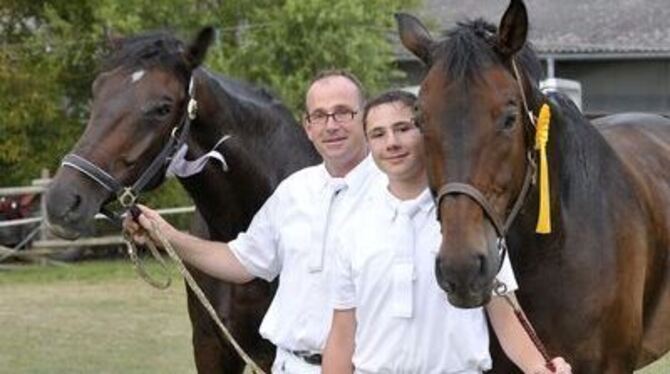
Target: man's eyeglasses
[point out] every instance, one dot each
(338, 116)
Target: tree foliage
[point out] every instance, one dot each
(50, 51)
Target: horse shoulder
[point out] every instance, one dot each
(642, 143)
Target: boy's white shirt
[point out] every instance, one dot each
(431, 336)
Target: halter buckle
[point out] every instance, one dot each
(499, 288)
(501, 243)
(127, 198)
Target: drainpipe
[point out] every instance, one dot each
(551, 72)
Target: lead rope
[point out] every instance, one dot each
(156, 233)
(500, 289)
(140, 269)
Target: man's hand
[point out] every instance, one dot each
(562, 367)
(139, 225)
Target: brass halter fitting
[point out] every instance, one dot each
(127, 198)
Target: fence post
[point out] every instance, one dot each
(43, 181)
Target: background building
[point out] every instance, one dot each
(619, 50)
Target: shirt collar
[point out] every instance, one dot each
(424, 200)
(356, 176)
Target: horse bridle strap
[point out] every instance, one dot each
(92, 171)
(501, 227)
(127, 195)
(473, 193)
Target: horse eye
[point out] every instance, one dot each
(509, 120)
(161, 110)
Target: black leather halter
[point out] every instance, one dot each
(127, 195)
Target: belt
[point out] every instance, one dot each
(308, 357)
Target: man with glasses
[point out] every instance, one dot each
(291, 235)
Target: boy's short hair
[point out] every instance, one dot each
(392, 96)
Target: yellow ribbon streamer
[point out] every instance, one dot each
(541, 138)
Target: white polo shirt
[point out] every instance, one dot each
(427, 336)
(284, 240)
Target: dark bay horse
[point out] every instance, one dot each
(140, 102)
(597, 288)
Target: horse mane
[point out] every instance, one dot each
(243, 91)
(471, 46)
(253, 110)
(583, 152)
(151, 49)
(162, 48)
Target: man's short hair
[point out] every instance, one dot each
(327, 73)
(392, 96)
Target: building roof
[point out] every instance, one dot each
(564, 28)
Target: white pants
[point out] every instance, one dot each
(288, 363)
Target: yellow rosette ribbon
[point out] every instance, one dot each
(541, 138)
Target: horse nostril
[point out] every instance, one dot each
(481, 264)
(442, 281)
(75, 203)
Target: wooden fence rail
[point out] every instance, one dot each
(44, 244)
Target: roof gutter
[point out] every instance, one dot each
(599, 56)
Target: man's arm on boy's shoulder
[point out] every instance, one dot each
(339, 351)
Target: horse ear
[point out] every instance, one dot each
(415, 37)
(113, 40)
(513, 28)
(197, 50)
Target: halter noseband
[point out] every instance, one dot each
(127, 195)
(459, 188)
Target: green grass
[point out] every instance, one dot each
(95, 317)
(87, 272)
(100, 317)
(661, 366)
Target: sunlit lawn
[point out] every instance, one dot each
(91, 318)
(99, 317)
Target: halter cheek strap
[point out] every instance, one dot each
(473, 193)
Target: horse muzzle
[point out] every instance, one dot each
(71, 206)
(467, 285)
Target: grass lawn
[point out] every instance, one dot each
(99, 317)
(96, 317)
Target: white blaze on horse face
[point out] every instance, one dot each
(137, 76)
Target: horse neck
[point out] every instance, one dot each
(579, 160)
(253, 118)
(265, 145)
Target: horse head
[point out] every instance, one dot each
(473, 110)
(138, 116)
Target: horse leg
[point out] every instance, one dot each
(248, 305)
(656, 339)
(211, 354)
(618, 365)
(241, 309)
(656, 335)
